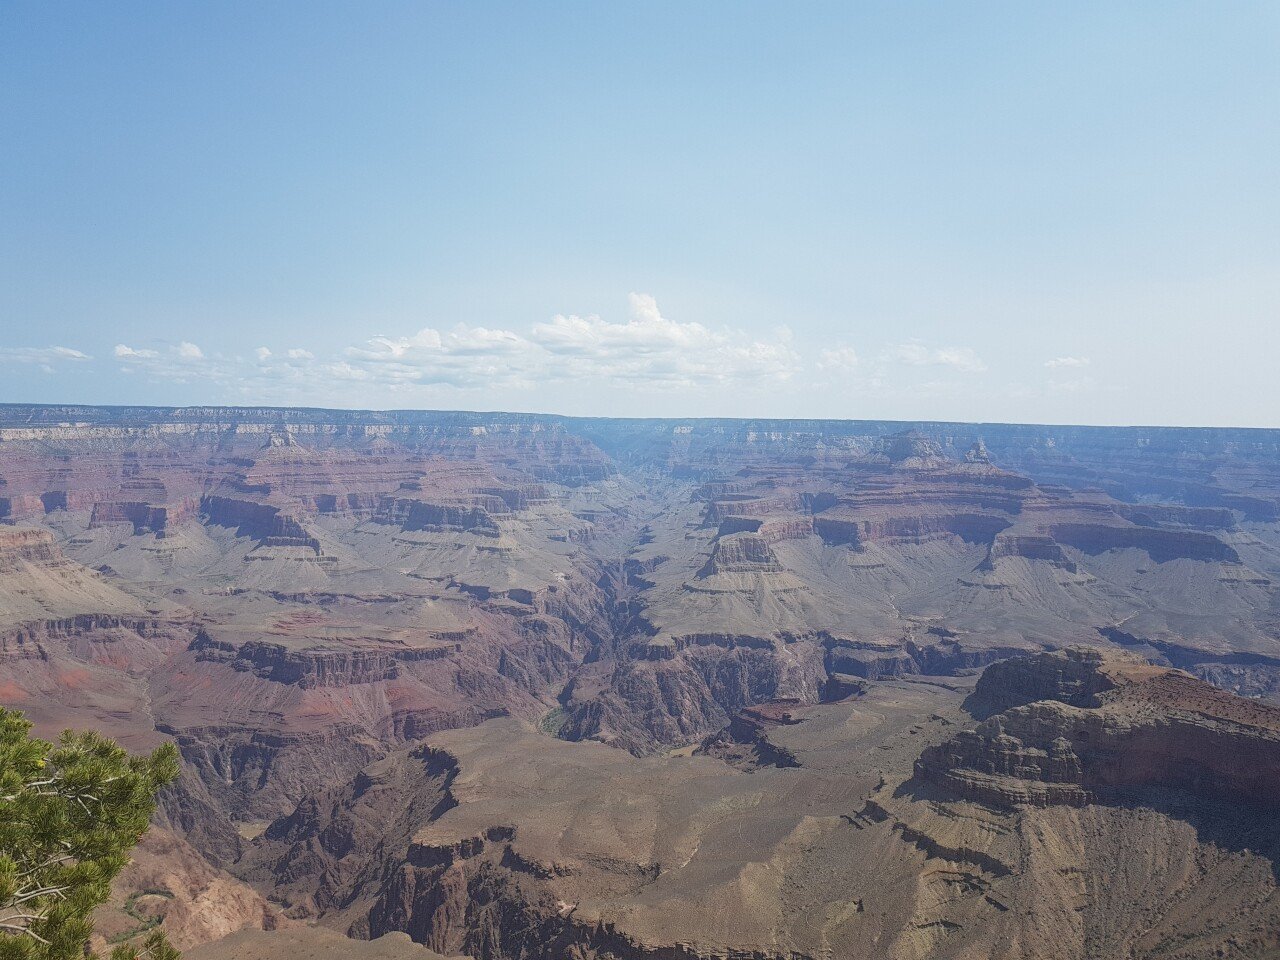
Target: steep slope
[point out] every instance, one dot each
(168, 884)
(37, 582)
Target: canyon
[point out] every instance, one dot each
(526, 686)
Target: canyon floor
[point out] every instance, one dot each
(516, 686)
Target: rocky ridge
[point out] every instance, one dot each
(1079, 727)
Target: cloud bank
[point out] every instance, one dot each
(645, 350)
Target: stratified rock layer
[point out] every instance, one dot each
(1078, 727)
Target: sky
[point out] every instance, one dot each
(1035, 212)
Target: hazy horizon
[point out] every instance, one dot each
(673, 417)
(1051, 214)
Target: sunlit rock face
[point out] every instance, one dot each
(1082, 726)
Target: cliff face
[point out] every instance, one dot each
(261, 521)
(1072, 677)
(317, 859)
(1077, 727)
(309, 669)
(414, 514)
(745, 742)
(741, 553)
(1160, 545)
(27, 546)
(143, 517)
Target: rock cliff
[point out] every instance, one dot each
(1081, 727)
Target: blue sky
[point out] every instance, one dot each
(982, 211)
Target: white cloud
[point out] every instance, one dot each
(42, 355)
(644, 349)
(124, 352)
(46, 358)
(917, 354)
(462, 357)
(649, 348)
(1057, 362)
(646, 333)
(182, 362)
(839, 358)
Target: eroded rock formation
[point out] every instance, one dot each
(1081, 727)
(294, 595)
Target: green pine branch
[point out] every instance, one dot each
(69, 815)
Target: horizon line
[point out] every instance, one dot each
(248, 408)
